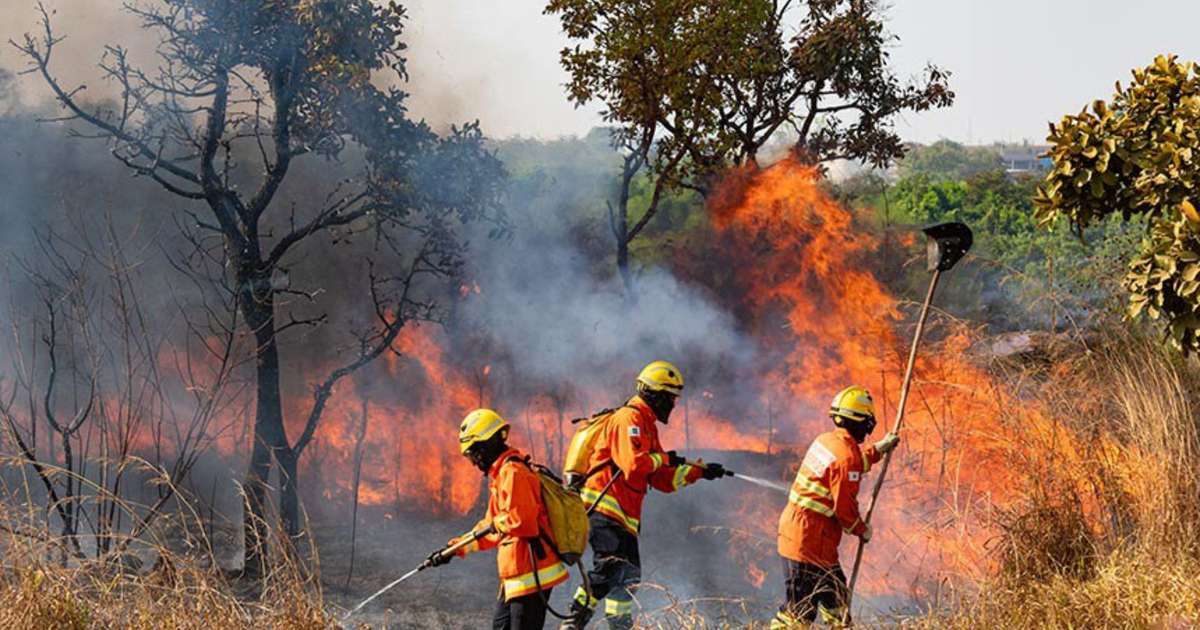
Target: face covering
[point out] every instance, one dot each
(661, 403)
(485, 454)
(860, 430)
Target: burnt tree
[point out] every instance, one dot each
(272, 82)
(88, 377)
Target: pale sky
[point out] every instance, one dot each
(1016, 64)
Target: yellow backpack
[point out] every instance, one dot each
(566, 512)
(583, 444)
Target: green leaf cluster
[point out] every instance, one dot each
(1136, 156)
(1023, 275)
(949, 159)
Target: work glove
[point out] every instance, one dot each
(888, 443)
(437, 558)
(866, 535)
(713, 471)
(675, 459)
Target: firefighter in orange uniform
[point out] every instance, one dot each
(518, 515)
(630, 451)
(824, 503)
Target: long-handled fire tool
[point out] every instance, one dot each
(948, 243)
(448, 551)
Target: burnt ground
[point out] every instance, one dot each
(701, 549)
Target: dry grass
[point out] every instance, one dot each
(45, 596)
(1109, 533)
(183, 586)
(1127, 590)
(1107, 536)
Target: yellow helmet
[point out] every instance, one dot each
(854, 404)
(661, 376)
(479, 426)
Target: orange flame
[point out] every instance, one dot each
(821, 319)
(802, 258)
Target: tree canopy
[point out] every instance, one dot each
(949, 159)
(716, 80)
(1136, 157)
(693, 88)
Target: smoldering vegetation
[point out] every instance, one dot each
(537, 305)
(1048, 486)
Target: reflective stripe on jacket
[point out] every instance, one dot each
(823, 501)
(630, 443)
(515, 508)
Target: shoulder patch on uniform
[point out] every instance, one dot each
(854, 475)
(635, 431)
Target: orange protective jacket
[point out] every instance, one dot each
(823, 501)
(523, 533)
(630, 443)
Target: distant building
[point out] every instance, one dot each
(1027, 158)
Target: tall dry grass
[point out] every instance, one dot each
(1108, 533)
(167, 579)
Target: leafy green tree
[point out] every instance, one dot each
(285, 81)
(1138, 156)
(1027, 275)
(949, 159)
(692, 88)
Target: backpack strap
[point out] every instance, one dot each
(527, 461)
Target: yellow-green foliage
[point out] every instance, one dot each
(1140, 156)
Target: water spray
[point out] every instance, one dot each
(444, 553)
(758, 481)
(763, 483)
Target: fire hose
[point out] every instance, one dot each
(429, 562)
(467, 540)
(476, 535)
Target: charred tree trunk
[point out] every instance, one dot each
(155, 135)
(687, 425)
(638, 158)
(770, 425)
(359, 443)
(623, 264)
(289, 492)
(621, 229)
(258, 309)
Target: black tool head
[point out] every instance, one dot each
(948, 243)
